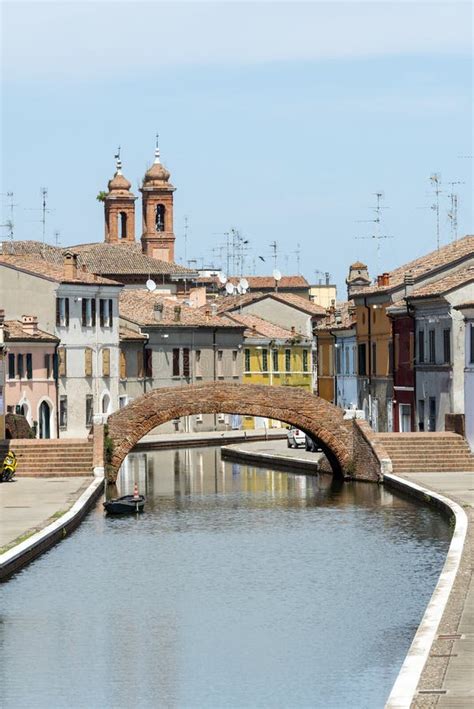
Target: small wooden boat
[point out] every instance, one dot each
(125, 505)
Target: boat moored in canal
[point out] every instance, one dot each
(127, 504)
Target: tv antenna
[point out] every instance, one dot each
(274, 248)
(453, 210)
(186, 226)
(44, 211)
(10, 224)
(57, 238)
(377, 236)
(435, 180)
(277, 276)
(298, 257)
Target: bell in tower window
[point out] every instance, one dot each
(160, 218)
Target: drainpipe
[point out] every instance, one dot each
(56, 381)
(369, 338)
(335, 366)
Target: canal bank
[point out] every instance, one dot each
(438, 669)
(36, 513)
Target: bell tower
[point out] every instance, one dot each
(119, 207)
(157, 203)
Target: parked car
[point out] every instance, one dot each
(296, 438)
(311, 445)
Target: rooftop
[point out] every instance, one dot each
(256, 326)
(145, 308)
(38, 266)
(341, 317)
(259, 282)
(233, 302)
(449, 254)
(16, 331)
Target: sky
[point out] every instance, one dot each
(281, 120)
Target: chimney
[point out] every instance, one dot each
(213, 308)
(177, 313)
(30, 324)
(158, 312)
(70, 266)
(338, 317)
(409, 281)
(380, 281)
(207, 312)
(293, 330)
(386, 279)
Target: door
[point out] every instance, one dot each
(44, 420)
(405, 418)
(432, 414)
(390, 415)
(375, 414)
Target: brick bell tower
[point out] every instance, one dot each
(119, 207)
(157, 202)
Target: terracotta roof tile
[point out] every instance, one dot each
(342, 317)
(126, 333)
(258, 326)
(139, 306)
(258, 282)
(444, 285)
(449, 254)
(232, 302)
(40, 267)
(15, 332)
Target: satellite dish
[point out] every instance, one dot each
(277, 275)
(222, 278)
(229, 288)
(240, 290)
(151, 285)
(244, 283)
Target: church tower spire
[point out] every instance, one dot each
(157, 201)
(119, 207)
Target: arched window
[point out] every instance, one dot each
(160, 217)
(122, 225)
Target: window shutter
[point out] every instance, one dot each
(84, 312)
(140, 364)
(176, 362)
(88, 362)
(186, 362)
(93, 304)
(110, 313)
(58, 312)
(20, 366)
(106, 362)
(29, 365)
(148, 363)
(123, 365)
(11, 366)
(62, 362)
(67, 311)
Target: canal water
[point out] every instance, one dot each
(239, 587)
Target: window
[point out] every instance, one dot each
(140, 370)
(63, 412)
(287, 360)
(106, 312)
(47, 365)
(447, 345)
(20, 366)
(29, 366)
(235, 372)
(471, 345)
(247, 360)
(362, 359)
(62, 312)
(186, 367)
(374, 358)
(148, 363)
(160, 217)
(421, 346)
(390, 358)
(89, 409)
(122, 219)
(305, 360)
(432, 414)
(175, 362)
(106, 362)
(220, 355)
(122, 402)
(61, 362)
(11, 366)
(123, 365)
(264, 360)
(275, 360)
(197, 363)
(421, 415)
(88, 312)
(338, 359)
(88, 362)
(432, 346)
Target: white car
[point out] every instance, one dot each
(296, 438)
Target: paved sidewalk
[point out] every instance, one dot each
(448, 677)
(28, 504)
(184, 438)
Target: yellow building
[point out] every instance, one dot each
(273, 356)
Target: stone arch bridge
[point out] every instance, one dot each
(350, 446)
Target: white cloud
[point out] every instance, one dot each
(100, 39)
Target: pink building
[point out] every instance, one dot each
(30, 381)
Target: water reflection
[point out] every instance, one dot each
(239, 587)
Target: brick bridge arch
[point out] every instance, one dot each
(295, 406)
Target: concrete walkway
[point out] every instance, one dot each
(29, 504)
(209, 437)
(276, 452)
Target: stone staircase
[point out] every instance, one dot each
(52, 457)
(427, 452)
